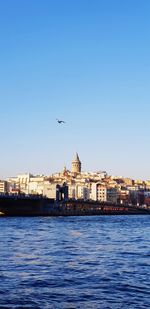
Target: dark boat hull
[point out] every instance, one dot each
(24, 206)
(40, 206)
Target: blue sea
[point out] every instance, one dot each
(75, 262)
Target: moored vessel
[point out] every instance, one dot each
(32, 205)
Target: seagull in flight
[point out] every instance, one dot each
(60, 121)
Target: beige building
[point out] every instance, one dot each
(49, 189)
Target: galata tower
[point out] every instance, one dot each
(76, 164)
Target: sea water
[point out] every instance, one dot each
(75, 262)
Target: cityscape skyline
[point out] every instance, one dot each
(86, 63)
(76, 184)
(74, 169)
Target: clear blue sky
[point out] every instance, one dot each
(84, 61)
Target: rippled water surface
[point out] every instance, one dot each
(75, 262)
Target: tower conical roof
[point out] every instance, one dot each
(76, 158)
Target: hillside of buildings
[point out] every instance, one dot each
(97, 186)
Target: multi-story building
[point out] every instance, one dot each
(98, 192)
(124, 196)
(102, 193)
(36, 184)
(112, 195)
(3, 186)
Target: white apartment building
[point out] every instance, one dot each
(36, 185)
(98, 192)
(23, 182)
(82, 192)
(78, 192)
(20, 182)
(26, 183)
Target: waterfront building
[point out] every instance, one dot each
(78, 191)
(98, 192)
(20, 183)
(102, 193)
(124, 196)
(3, 186)
(35, 185)
(25, 183)
(112, 195)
